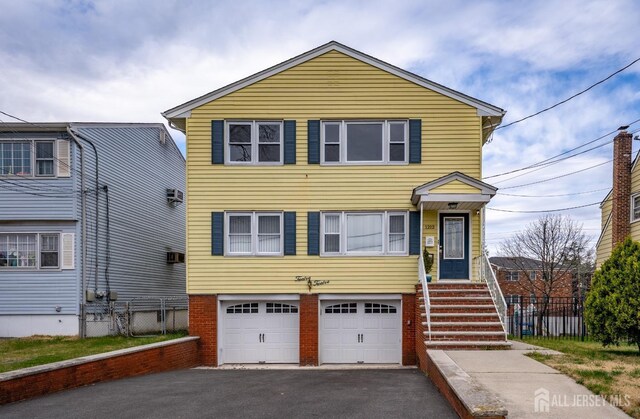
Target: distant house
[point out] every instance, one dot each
(620, 209)
(521, 276)
(89, 212)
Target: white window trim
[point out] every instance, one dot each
(633, 198)
(386, 142)
(254, 143)
(34, 165)
(37, 267)
(385, 234)
(254, 233)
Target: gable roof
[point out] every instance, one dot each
(484, 188)
(484, 108)
(515, 263)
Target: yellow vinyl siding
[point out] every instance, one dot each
(603, 249)
(332, 86)
(635, 189)
(455, 187)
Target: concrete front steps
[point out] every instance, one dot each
(463, 316)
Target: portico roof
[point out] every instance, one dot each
(453, 191)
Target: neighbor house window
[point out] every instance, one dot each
(532, 275)
(29, 250)
(359, 233)
(15, 158)
(44, 158)
(254, 142)
(512, 275)
(364, 142)
(512, 299)
(27, 158)
(635, 207)
(254, 233)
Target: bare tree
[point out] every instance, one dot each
(558, 245)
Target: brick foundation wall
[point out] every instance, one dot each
(421, 348)
(408, 329)
(308, 329)
(203, 322)
(621, 195)
(38, 381)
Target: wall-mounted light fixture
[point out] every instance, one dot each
(452, 205)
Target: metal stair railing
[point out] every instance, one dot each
(422, 277)
(487, 275)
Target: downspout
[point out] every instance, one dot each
(97, 191)
(83, 223)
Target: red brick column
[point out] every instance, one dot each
(421, 348)
(203, 322)
(408, 329)
(308, 329)
(621, 194)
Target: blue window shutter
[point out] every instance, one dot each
(313, 233)
(313, 141)
(290, 233)
(289, 142)
(217, 142)
(217, 233)
(414, 232)
(415, 141)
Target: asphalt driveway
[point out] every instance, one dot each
(194, 393)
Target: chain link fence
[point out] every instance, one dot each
(142, 316)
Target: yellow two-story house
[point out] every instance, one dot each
(312, 188)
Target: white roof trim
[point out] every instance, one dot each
(604, 228)
(486, 190)
(184, 110)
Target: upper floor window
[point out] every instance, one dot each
(29, 250)
(512, 275)
(254, 233)
(26, 158)
(364, 142)
(356, 233)
(254, 142)
(635, 207)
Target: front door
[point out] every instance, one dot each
(454, 246)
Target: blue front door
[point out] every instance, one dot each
(454, 246)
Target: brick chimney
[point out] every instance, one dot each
(621, 195)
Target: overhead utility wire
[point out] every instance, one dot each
(533, 165)
(570, 97)
(558, 177)
(555, 195)
(539, 211)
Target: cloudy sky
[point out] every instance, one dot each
(128, 60)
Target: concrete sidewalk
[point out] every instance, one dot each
(526, 386)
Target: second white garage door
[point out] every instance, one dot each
(259, 332)
(360, 332)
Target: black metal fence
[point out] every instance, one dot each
(554, 317)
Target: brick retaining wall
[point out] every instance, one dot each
(44, 379)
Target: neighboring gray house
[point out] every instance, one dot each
(72, 231)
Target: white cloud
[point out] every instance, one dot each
(129, 61)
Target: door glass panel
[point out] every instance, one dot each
(454, 238)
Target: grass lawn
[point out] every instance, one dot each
(37, 350)
(613, 371)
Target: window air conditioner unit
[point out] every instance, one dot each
(175, 257)
(174, 195)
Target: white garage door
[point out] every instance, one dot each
(360, 332)
(259, 332)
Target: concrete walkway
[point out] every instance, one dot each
(528, 387)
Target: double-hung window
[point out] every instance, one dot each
(254, 233)
(364, 233)
(29, 250)
(254, 142)
(44, 158)
(635, 207)
(364, 142)
(512, 275)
